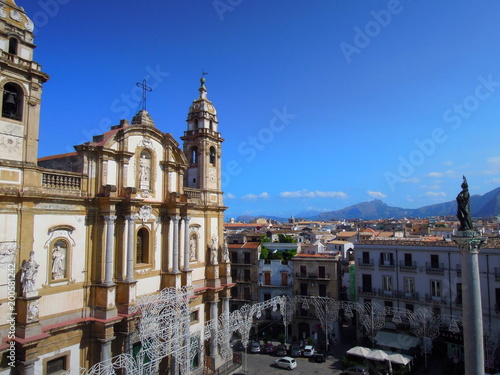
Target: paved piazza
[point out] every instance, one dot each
(261, 364)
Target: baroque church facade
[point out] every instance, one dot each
(84, 234)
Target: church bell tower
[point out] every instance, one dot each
(202, 144)
(21, 82)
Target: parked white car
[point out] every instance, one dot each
(286, 362)
(308, 351)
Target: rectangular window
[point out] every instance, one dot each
(247, 258)
(322, 290)
(267, 278)
(267, 296)
(303, 271)
(386, 259)
(367, 283)
(56, 366)
(366, 257)
(234, 258)
(193, 317)
(434, 261)
(303, 289)
(248, 295)
(408, 260)
(387, 284)
(247, 275)
(409, 286)
(436, 289)
(321, 272)
(459, 294)
(234, 274)
(284, 278)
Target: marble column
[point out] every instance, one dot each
(187, 247)
(175, 265)
(469, 244)
(214, 317)
(106, 348)
(110, 242)
(130, 248)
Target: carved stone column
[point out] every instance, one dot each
(130, 248)
(469, 244)
(213, 341)
(175, 265)
(187, 219)
(110, 240)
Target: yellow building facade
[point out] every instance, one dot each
(84, 234)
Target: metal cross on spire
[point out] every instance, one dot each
(145, 89)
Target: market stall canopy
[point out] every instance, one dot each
(377, 355)
(359, 351)
(399, 358)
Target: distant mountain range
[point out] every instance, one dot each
(481, 206)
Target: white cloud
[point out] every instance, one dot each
(313, 194)
(435, 194)
(376, 194)
(229, 196)
(260, 196)
(494, 160)
(413, 180)
(448, 173)
(448, 163)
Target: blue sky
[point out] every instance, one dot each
(322, 104)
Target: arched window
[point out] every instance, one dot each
(12, 103)
(212, 155)
(211, 125)
(59, 260)
(194, 155)
(13, 44)
(142, 249)
(195, 124)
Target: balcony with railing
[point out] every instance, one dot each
(407, 266)
(386, 264)
(435, 299)
(434, 268)
(411, 296)
(497, 274)
(365, 263)
(367, 291)
(12, 59)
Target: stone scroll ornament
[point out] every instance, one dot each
(463, 212)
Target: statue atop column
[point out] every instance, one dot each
(463, 212)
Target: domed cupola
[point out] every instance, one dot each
(15, 16)
(202, 114)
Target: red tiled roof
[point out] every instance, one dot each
(247, 245)
(59, 156)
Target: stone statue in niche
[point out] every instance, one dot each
(192, 247)
(29, 272)
(144, 171)
(213, 250)
(59, 261)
